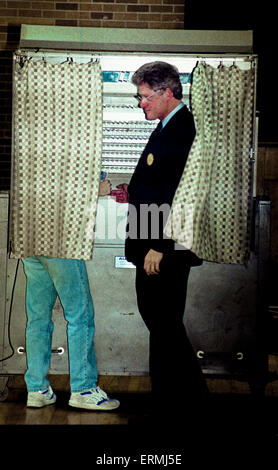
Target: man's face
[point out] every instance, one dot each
(156, 107)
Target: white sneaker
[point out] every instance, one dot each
(93, 399)
(40, 399)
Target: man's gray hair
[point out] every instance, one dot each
(159, 75)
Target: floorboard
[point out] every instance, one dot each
(231, 424)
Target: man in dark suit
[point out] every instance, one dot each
(162, 266)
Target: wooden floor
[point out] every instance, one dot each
(231, 427)
(13, 411)
(133, 393)
(232, 419)
(234, 426)
(232, 423)
(18, 414)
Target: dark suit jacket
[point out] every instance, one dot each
(154, 182)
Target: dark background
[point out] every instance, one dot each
(261, 17)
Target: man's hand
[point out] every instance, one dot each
(104, 188)
(120, 194)
(152, 262)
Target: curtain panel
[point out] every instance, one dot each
(57, 141)
(212, 206)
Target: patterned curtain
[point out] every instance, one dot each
(211, 209)
(57, 121)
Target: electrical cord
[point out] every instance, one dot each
(10, 315)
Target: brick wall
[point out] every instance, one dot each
(109, 13)
(154, 14)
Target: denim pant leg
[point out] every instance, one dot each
(40, 299)
(71, 283)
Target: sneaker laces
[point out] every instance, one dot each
(101, 392)
(48, 393)
(97, 394)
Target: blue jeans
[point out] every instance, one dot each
(67, 278)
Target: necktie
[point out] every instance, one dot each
(157, 130)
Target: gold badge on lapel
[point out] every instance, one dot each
(150, 159)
